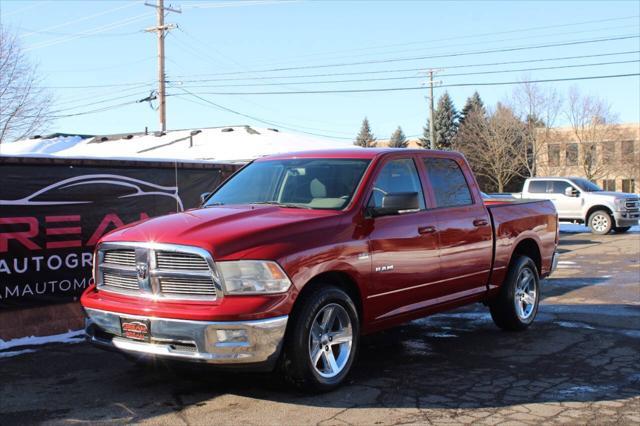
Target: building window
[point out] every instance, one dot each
(590, 155)
(608, 153)
(626, 151)
(628, 185)
(554, 154)
(609, 184)
(571, 154)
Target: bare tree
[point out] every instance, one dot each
(538, 108)
(23, 104)
(492, 145)
(592, 123)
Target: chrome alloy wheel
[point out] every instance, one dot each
(525, 295)
(330, 340)
(600, 222)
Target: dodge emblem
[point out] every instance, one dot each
(142, 270)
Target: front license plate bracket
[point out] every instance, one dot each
(136, 329)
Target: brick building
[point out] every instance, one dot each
(611, 158)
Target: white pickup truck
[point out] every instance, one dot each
(579, 200)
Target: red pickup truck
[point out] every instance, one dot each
(296, 256)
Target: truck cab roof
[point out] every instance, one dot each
(355, 153)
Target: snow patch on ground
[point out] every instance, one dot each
(572, 228)
(442, 335)
(9, 354)
(72, 336)
(568, 324)
(581, 390)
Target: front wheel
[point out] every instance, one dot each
(600, 222)
(323, 341)
(516, 306)
(621, 229)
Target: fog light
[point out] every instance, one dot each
(232, 336)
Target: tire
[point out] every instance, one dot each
(509, 310)
(621, 229)
(334, 358)
(600, 222)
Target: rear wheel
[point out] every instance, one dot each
(621, 229)
(516, 306)
(323, 340)
(600, 222)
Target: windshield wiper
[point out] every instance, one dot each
(217, 203)
(275, 203)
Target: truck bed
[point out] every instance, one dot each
(513, 222)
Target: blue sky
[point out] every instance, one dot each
(101, 43)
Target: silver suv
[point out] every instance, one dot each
(579, 200)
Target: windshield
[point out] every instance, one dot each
(586, 185)
(301, 183)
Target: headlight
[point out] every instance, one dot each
(620, 203)
(253, 277)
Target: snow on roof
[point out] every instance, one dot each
(235, 143)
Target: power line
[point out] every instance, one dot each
(487, 34)
(108, 85)
(468, 44)
(260, 120)
(106, 108)
(94, 86)
(54, 33)
(399, 89)
(83, 18)
(98, 102)
(96, 30)
(562, 58)
(413, 77)
(98, 94)
(448, 55)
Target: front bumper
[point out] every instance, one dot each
(626, 218)
(225, 342)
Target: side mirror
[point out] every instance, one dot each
(204, 196)
(396, 203)
(570, 191)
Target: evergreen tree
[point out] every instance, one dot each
(445, 122)
(425, 140)
(398, 139)
(474, 103)
(365, 138)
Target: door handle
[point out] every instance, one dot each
(480, 222)
(426, 230)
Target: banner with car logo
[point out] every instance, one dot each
(53, 212)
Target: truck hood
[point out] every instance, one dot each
(610, 194)
(228, 230)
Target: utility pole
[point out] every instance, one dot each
(431, 83)
(161, 29)
(432, 140)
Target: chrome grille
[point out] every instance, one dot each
(633, 205)
(156, 270)
(120, 257)
(182, 286)
(120, 281)
(180, 261)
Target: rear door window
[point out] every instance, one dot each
(538, 186)
(448, 182)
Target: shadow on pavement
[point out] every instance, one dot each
(453, 360)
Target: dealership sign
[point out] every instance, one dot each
(51, 218)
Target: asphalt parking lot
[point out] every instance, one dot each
(579, 363)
